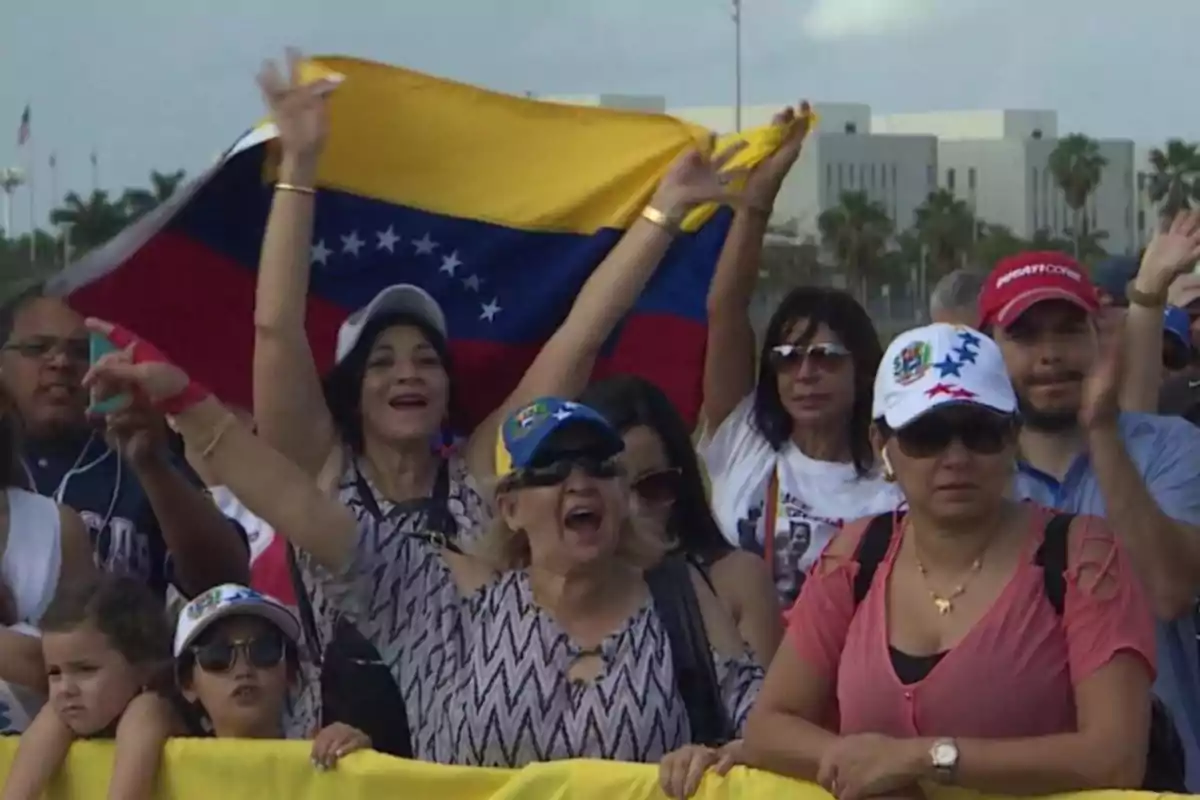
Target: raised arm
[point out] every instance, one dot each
(564, 365)
(1174, 249)
(729, 357)
(265, 481)
(288, 402)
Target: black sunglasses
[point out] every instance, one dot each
(261, 652)
(982, 433)
(556, 468)
(659, 487)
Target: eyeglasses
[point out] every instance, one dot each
(261, 652)
(659, 487)
(825, 356)
(983, 433)
(556, 469)
(74, 348)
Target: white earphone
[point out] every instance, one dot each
(887, 463)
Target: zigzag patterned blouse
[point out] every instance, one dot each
(484, 677)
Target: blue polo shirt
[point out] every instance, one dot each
(84, 473)
(1166, 451)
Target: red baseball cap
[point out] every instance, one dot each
(1019, 282)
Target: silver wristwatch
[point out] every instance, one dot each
(943, 755)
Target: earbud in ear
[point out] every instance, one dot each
(889, 474)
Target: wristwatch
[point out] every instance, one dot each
(943, 755)
(1145, 299)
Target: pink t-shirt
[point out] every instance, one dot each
(1013, 673)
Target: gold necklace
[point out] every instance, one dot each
(945, 603)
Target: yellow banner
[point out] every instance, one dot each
(206, 769)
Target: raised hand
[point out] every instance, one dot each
(298, 110)
(694, 179)
(766, 179)
(141, 368)
(1174, 250)
(1100, 403)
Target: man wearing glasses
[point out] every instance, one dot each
(146, 516)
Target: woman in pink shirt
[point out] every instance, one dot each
(931, 645)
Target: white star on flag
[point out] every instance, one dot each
(425, 245)
(562, 414)
(471, 282)
(319, 253)
(352, 244)
(450, 263)
(490, 310)
(387, 239)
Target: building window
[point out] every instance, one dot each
(872, 177)
(1037, 133)
(851, 127)
(950, 179)
(1037, 217)
(1141, 220)
(1141, 182)
(841, 182)
(930, 176)
(850, 172)
(971, 178)
(883, 170)
(829, 178)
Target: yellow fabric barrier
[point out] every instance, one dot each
(204, 769)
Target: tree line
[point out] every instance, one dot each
(858, 240)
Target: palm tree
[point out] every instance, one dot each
(1077, 165)
(137, 202)
(946, 227)
(994, 243)
(856, 232)
(91, 222)
(1175, 183)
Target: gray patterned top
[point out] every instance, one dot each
(484, 677)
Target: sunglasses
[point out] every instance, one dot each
(825, 356)
(261, 652)
(74, 349)
(659, 487)
(555, 469)
(984, 434)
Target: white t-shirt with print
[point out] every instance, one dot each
(815, 497)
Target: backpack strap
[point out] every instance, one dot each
(308, 620)
(678, 609)
(872, 549)
(1051, 556)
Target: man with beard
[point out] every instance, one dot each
(1082, 455)
(146, 516)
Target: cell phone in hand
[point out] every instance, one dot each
(99, 346)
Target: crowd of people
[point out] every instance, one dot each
(987, 533)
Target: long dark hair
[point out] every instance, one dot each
(852, 325)
(342, 385)
(628, 401)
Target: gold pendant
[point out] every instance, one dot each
(943, 605)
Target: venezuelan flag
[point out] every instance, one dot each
(498, 206)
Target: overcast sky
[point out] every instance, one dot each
(157, 84)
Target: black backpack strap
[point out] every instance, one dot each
(872, 549)
(441, 527)
(308, 619)
(678, 609)
(1052, 558)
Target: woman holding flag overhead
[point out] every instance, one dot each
(367, 426)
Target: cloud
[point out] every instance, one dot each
(843, 19)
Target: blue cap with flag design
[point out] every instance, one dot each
(527, 429)
(1177, 324)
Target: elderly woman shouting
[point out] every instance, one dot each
(563, 603)
(970, 639)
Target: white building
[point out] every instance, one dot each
(842, 155)
(998, 161)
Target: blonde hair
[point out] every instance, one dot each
(505, 549)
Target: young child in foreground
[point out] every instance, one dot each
(108, 657)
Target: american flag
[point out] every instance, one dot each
(23, 130)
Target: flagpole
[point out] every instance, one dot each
(54, 198)
(31, 184)
(95, 171)
(737, 64)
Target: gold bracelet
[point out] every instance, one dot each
(224, 425)
(291, 187)
(656, 217)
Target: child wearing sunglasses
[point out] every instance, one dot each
(236, 662)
